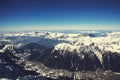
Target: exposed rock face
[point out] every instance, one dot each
(73, 62)
(70, 61)
(31, 77)
(111, 61)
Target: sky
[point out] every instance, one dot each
(59, 15)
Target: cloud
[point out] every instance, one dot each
(58, 27)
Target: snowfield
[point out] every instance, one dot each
(110, 42)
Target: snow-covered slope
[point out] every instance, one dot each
(110, 42)
(6, 47)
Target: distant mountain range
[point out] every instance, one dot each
(27, 52)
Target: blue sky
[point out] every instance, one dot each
(59, 14)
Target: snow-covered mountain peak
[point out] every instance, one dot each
(110, 42)
(66, 47)
(9, 46)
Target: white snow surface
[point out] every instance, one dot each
(9, 46)
(70, 42)
(67, 47)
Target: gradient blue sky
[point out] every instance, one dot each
(59, 14)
